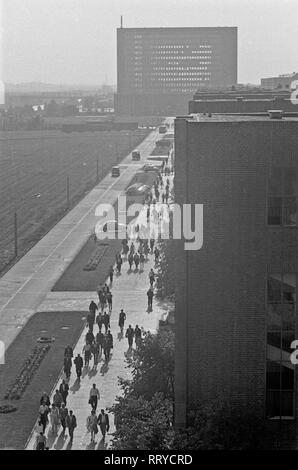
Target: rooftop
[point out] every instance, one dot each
(238, 117)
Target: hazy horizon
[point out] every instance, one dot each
(73, 42)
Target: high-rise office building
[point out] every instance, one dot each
(236, 297)
(159, 69)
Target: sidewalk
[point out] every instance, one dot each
(129, 292)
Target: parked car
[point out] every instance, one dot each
(150, 167)
(136, 155)
(115, 171)
(162, 129)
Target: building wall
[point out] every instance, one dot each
(155, 61)
(175, 60)
(221, 289)
(157, 104)
(245, 106)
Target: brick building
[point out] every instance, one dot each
(240, 104)
(236, 311)
(159, 69)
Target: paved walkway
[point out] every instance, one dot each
(129, 292)
(25, 285)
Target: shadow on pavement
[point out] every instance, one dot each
(76, 386)
(69, 445)
(60, 441)
(102, 445)
(104, 368)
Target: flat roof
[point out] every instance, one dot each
(234, 100)
(217, 117)
(180, 28)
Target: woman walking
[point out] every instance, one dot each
(92, 425)
(122, 318)
(54, 419)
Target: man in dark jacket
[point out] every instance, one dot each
(63, 413)
(71, 423)
(138, 335)
(79, 365)
(103, 421)
(63, 389)
(129, 335)
(68, 352)
(150, 297)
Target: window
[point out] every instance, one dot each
(282, 203)
(281, 315)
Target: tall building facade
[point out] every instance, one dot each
(157, 65)
(236, 297)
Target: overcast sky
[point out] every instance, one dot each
(74, 41)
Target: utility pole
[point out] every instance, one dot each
(16, 234)
(97, 170)
(67, 191)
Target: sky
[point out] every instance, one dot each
(74, 41)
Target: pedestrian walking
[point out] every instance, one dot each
(104, 423)
(106, 288)
(94, 396)
(95, 353)
(119, 263)
(90, 320)
(87, 354)
(110, 300)
(93, 307)
(106, 321)
(99, 341)
(130, 260)
(125, 250)
(102, 300)
(63, 389)
(71, 423)
(142, 261)
(57, 399)
(156, 254)
(89, 338)
(63, 413)
(54, 419)
(79, 365)
(68, 352)
(99, 321)
(152, 241)
(40, 441)
(107, 345)
(151, 277)
(122, 318)
(45, 399)
(129, 335)
(150, 298)
(111, 274)
(92, 425)
(146, 251)
(136, 259)
(138, 336)
(43, 415)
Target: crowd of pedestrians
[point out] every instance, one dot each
(99, 340)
